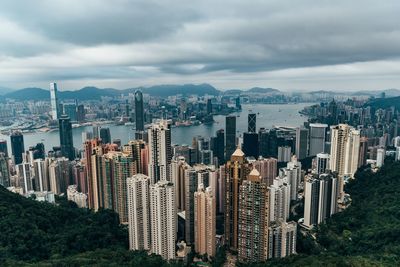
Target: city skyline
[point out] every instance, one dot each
(230, 45)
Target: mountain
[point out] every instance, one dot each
(186, 89)
(32, 93)
(94, 93)
(384, 102)
(5, 90)
(259, 90)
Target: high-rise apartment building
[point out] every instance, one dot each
(322, 162)
(163, 219)
(320, 199)
(279, 200)
(205, 221)
(253, 219)
(236, 170)
(138, 198)
(282, 239)
(268, 168)
(317, 138)
(160, 151)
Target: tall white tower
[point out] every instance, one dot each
(139, 212)
(160, 153)
(163, 219)
(54, 101)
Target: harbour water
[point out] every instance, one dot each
(267, 116)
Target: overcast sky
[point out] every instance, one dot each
(230, 44)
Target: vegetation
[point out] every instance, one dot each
(40, 234)
(367, 233)
(63, 235)
(384, 103)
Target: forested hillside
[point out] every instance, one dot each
(365, 234)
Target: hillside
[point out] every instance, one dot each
(385, 103)
(365, 234)
(34, 232)
(94, 93)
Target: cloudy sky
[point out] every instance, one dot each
(288, 45)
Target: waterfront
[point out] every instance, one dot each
(267, 116)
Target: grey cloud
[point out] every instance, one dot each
(120, 39)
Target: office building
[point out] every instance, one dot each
(66, 141)
(301, 142)
(138, 198)
(139, 111)
(205, 221)
(55, 113)
(191, 184)
(252, 123)
(105, 135)
(250, 144)
(218, 146)
(69, 109)
(17, 147)
(230, 136)
(317, 138)
(3, 147)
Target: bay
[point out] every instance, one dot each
(267, 116)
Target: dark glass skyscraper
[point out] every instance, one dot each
(17, 146)
(3, 147)
(250, 145)
(66, 141)
(251, 122)
(230, 136)
(139, 111)
(218, 146)
(105, 135)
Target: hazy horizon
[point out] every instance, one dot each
(305, 45)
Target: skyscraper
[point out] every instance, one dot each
(301, 142)
(205, 221)
(139, 111)
(253, 219)
(4, 170)
(317, 138)
(3, 147)
(236, 170)
(282, 239)
(55, 113)
(251, 123)
(191, 184)
(219, 146)
(163, 219)
(322, 163)
(230, 136)
(160, 151)
(17, 146)
(138, 197)
(105, 135)
(250, 144)
(66, 141)
(320, 199)
(279, 200)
